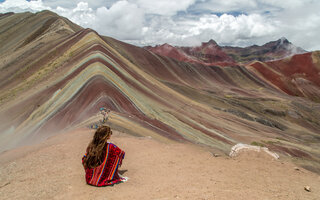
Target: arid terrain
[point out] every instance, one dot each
(156, 170)
(172, 108)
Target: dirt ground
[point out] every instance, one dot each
(53, 170)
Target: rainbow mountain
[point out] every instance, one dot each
(55, 75)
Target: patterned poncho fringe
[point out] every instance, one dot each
(107, 172)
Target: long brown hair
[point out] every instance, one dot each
(95, 150)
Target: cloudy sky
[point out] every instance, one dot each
(189, 22)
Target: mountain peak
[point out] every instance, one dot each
(211, 41)
(283, 40)
(280, 42)
(166, 45)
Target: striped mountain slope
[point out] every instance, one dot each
(55, 76)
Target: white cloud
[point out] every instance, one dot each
(81, 14)
(123, 20)
(163, 7)
(225, 29)
(228, 28)
(188, 22)
(94, 4)
(22, 6)
(250, 6)
(227, 5)
(301, 24)
(285, 4)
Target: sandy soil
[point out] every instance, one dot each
(53, 170)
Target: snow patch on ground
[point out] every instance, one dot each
(236, 149)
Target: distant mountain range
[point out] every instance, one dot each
(210, 53)
(55, 75)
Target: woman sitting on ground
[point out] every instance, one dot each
(102, 159)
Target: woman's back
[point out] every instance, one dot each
(107, 172)
(102, 160)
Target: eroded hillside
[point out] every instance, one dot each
(55, 76)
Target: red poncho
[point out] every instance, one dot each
(106, 173)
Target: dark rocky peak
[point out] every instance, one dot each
(283, 40)
(283, 44)
(166, 45)
(210, 42)
(278, 43)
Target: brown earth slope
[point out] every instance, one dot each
(62, 84)
(156, 170)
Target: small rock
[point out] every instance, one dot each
(215, 154)
(296, 168)
(307, 188)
